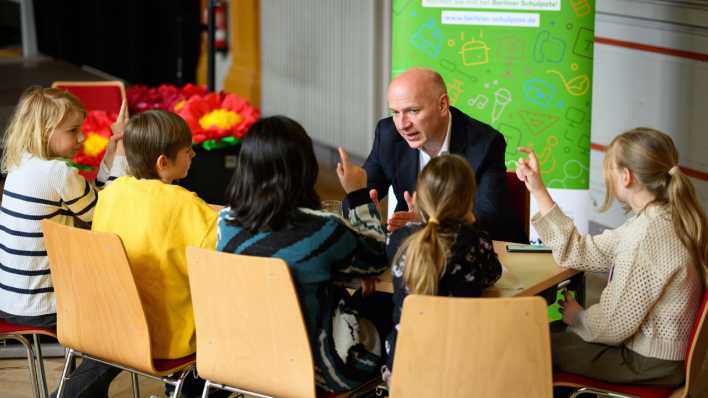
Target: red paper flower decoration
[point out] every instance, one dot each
(215, 116)
(166, 97)
(97, 131)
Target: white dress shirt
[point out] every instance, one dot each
(445, 148)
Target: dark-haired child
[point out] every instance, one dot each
(275, 212)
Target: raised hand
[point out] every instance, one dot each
(527, 170)
(118, 127)
(351, 176)
(115, 143)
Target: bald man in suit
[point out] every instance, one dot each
(424, 125)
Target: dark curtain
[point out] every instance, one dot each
(143, 42)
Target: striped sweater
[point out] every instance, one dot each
(319, 249)
(35, 190)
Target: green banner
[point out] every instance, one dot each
(522, 66)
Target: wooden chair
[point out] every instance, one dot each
(96, 96)
(472, 347)
(251, 337)
(99, 312)
(10, 331)
(519, 200)
(694, 363)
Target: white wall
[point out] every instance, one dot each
(324, 63)
(650, 87)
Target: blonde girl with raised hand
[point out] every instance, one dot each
(43, 133)
(447, 254)
(639, 331)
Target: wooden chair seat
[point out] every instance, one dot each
(100, 315)
(472, 347)
(251, 337)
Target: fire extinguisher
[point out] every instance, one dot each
(221, 31)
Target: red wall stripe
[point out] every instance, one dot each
(701, 175)
(653, 49)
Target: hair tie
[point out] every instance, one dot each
(674, 170)
(433, 220)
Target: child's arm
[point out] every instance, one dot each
(366, 235)
(573, 250)
(114, 163)
(570, 249)
(77, 194)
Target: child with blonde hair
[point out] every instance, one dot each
(639, 331)
(446, 255)
(43, 133)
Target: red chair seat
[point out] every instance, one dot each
(163, 365)
(9, 328)
(645, 391)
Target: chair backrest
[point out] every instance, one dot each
(96, 96)
(250, 331)
(698, 347)
(99, 311)
(473, 347)
(519, 199)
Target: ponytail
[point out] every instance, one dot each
(688, 218)
(426, 254)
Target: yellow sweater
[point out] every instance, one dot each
(156, 222)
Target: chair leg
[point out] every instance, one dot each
(600, 393)
(65, 372)
(42, 376)
(135, 384)
(177, 393)
(30, 362)
(205, 392)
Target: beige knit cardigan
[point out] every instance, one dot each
(654, 290)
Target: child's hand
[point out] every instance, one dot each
(569, 308)
(115, 143)
(351, 176)
(118, 127)
(527, 170)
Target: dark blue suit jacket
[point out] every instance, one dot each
(393, 162)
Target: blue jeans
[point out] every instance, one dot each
(90, 379)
